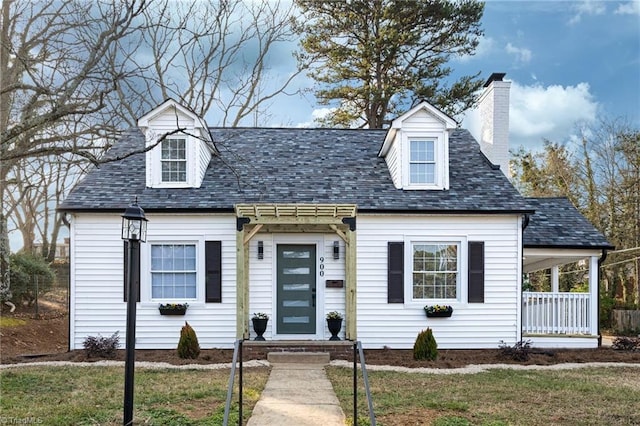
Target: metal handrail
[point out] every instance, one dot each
(237, 350)
(357, 349)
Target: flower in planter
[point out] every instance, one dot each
(177, 306)
(260, 315)
(334, 315)
(432, 309)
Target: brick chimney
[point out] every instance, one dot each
(494, 119)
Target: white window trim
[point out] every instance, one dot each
(461, 290)
(145, 270)
(190, 158)
(441, 156)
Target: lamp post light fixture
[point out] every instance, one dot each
(134, 231)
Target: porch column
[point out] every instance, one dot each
(242, 286)
(350, 294)
(555, 279)
(594, 286)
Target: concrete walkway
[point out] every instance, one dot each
(298, 393)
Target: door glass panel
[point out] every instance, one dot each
(293, 287)
(295, 303)
(295, 320)
(292, 254)
(295, 271)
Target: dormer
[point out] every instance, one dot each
(180, 160)
(416, 149)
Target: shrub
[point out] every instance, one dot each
(425, 347)
(101, 347)
(518, 352)
(188, 346)
(25, 269)
(626, 344)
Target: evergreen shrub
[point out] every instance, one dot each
(188, 346)
(425, 347)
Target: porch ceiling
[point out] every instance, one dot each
(295, 213)
(538, 259)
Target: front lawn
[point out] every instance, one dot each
(94, 395)
(585, 396)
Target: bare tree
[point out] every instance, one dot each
(601, 177)
(73, 74)
(211, 56)
(52, 71)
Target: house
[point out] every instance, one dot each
(296, 223)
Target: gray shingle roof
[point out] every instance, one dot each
(557, 223)
(275, 165)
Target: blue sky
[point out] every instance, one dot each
(570, 62)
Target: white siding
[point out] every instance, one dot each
(421, 120)
(394, 163)
(97, 305)
(475, 325)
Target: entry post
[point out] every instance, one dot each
(134, 230)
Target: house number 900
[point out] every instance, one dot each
(322, 266)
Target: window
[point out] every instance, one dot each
(436, 270)
(422, 162)
(173, 271)
(174, 160)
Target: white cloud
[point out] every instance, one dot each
(630, 8)
(538, 112)
(316, 114)
(523, 55)
(550, 112)
(587, 7)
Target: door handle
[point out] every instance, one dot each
(313, 297)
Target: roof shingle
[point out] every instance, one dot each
(557, 223)
(275, 165)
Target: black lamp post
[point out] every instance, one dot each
(134, 230)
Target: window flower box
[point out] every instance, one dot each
(438, 311)
(173, 308)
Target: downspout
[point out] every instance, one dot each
(525, 222)
(600, 262)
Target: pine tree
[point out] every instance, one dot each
(375, 57)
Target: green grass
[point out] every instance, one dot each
(94, 395)
(592, 396)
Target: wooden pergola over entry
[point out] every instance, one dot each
(282, 218)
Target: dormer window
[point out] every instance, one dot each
(422, 162)
(174, 160)
(179, 146)
(416, 149)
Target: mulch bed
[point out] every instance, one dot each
(396, 357)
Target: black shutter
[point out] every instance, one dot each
(395, 272)
(476, 272)
(213, 271)
(136, 274)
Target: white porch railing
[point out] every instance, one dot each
(556, 313)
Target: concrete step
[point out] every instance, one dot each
(298, 357)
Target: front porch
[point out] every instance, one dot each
(555, 318)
